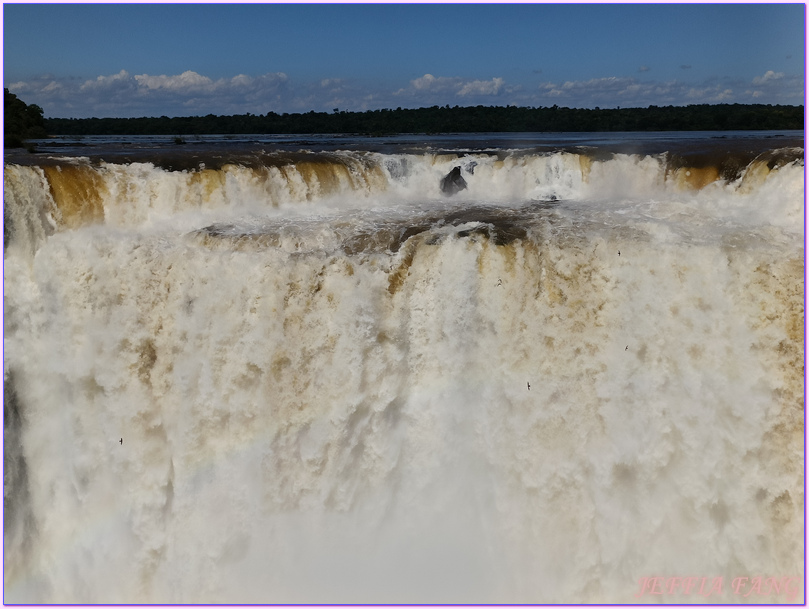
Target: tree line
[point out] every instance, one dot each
(436, 119)
(21, 121)
(444, 119)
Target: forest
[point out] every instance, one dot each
(24, 122)
(446, 119)
(21, 121)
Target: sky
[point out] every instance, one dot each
(130, 60)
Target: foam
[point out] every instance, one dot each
(324, 398)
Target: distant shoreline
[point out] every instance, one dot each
(445, 119)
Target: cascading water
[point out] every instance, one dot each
(313, 378)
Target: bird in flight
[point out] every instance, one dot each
(121, 441)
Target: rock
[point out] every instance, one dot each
(453, 182)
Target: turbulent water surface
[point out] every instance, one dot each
(294, 370)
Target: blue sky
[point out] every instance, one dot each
(195, 59)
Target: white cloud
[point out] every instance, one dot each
(627, 92)
(123, 94)
(428, 82)
(595, 89)
(241, 80)
(482, 87)
(775, 87)
(186, 82)
(189, 92)
(107, 81)
(425, 82)
(769, 75)
(429, 89)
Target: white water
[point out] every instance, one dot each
(305, 420)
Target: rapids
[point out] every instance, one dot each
(311, 377)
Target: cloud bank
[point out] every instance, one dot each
(190, 93)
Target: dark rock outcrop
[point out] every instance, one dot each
(453, 182)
